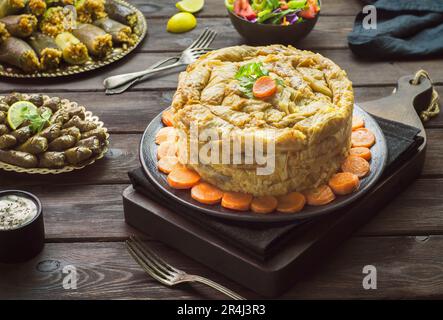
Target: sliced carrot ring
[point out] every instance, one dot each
(291, 203)
(236, 201)
(343, 183)
(265, 204)
(183, 178)
(264, 87)
(168, 118)
(357, 123)
(356, 165)
(319, 196)
(362, 138)
(167, 164)
(361, 152)
(167, 148)
(206, 193)
(166, 134)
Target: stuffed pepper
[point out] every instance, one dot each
(98, 42)
(120, 33)
(8, 7)
(73, 51)
(20, 26)
(36, 7)
(47, 50)
(18, 53)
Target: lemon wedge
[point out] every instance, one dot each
(17, 112)
(181, 22)
(191, 6)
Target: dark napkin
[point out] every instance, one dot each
(405, 29)
(262, 240)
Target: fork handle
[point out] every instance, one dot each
(121, 79)
(218, 287)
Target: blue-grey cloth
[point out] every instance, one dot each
(405, 29)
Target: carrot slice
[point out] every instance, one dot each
(236, 201)
(206, 193)
(182, 178)
(356, 165)
(165, 134)
(319, 196)
(357, 123)
(264, 87)
(167, 118)
(265, 204)
(167, 164)
(344, 183)
(167, 148)
(291, 203)
(361, 152)
(362, 138)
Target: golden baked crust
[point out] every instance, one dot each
(310, 115)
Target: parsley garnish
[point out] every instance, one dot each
(248, 74)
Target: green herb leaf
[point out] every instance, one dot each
(248, 74)
(36, 120)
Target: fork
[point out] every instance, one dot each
(199, 47)
(166, 274)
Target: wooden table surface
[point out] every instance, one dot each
(83, 210)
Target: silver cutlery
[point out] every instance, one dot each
(166, 274)
(120, 83)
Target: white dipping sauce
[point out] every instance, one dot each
(16, 211)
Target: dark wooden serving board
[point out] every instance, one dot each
(307, 248)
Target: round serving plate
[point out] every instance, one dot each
(148, 158)
(88, 116)
(66, 70)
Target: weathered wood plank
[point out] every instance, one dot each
(362, 73)
(329, 32)
(216, 8)
(406, 268)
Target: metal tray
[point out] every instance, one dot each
(148, 158)
(65, 70)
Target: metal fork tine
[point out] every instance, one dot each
(209, 40)
(204, 40)
(165, 274)
(199, 39)
(145, 267)
(153, 254)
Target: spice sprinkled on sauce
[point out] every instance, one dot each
(16, 211)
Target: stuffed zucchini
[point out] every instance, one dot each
(47, 50)
(73, 51)
(57, 20)
(8, 7)
(20, 26)
(120, 33)
(18, 53)
(36, 7)
(4, 34)
(98, 42)
(89, 10)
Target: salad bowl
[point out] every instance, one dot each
(267, 33)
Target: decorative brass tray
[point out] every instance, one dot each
(88, 116)
(65, 70)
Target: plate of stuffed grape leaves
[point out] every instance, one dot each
(53, 38)
(48, 135)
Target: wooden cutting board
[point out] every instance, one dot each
(308, 247)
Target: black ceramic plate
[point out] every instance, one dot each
(148, 158)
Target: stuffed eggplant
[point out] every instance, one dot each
(57, 20)
(73, 51)
(121, 13)
(98, 42)
(47, 50)
(18, 53)
(18, 158)
(120, 33)
(90, 10)
(58, 3)
(4, 34)
(8, 7)
(20, 26)
(36, 7)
